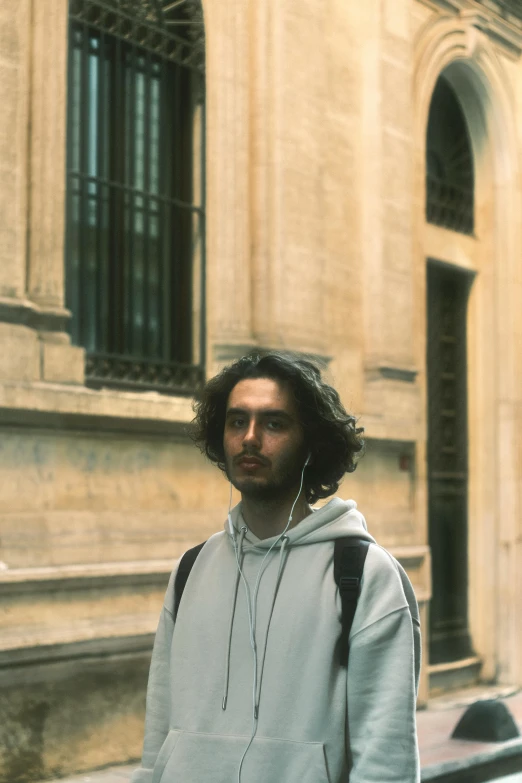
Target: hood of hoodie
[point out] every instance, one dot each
(336, 519)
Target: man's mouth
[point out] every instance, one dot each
(249, 462)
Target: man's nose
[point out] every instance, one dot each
(252, 435)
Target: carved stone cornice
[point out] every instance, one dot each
(453, 6)
(505, 32)
(507, 9)
(231, 352)
(499, 20)
(26, 313)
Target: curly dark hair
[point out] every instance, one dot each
(331, 434)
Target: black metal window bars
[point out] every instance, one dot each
(135, 249)
(449, 164)
(448, 205)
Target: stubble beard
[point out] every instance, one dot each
(269, 491)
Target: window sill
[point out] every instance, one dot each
(68, 406)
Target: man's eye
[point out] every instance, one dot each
(238, 422)
(274, 425)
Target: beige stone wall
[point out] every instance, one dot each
(90, 497)
(14, 98)
(316, 241)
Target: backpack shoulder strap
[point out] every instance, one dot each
(184, 569)
(349, 556)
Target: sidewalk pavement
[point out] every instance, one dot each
(450, 760)
(443, 760)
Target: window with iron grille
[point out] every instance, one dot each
(135, 245)
(449, 163)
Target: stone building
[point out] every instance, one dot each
(180, 183)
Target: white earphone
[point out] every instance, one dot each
(251, 602)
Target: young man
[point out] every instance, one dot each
(248, 681)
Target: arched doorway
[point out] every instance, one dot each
(472, 70)
(447, 298)
(449, 205)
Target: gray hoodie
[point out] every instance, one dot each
(251, 690)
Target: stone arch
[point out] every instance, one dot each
(453, 46)
(449, 42)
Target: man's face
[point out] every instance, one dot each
(263, 439)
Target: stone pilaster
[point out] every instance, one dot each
(47, 151)
(227, 148)
(390, 298)
(14, 115)
(288, 111)
(372, 176)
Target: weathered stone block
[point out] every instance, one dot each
(65, 719)
(20, 353)
(62, 363)
(83, 498)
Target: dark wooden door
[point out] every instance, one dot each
(447, 290)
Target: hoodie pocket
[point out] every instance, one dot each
(164, 755)
(188, 757)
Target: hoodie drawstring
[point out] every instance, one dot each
(231, 624)
(256, 685)
(252, 612)
(282, 563)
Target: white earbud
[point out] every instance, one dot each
(309, 457)
(230, 525)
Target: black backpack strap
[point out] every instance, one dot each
(349, 556)
(184, 569)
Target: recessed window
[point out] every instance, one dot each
(135, 192)
(449, 163)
